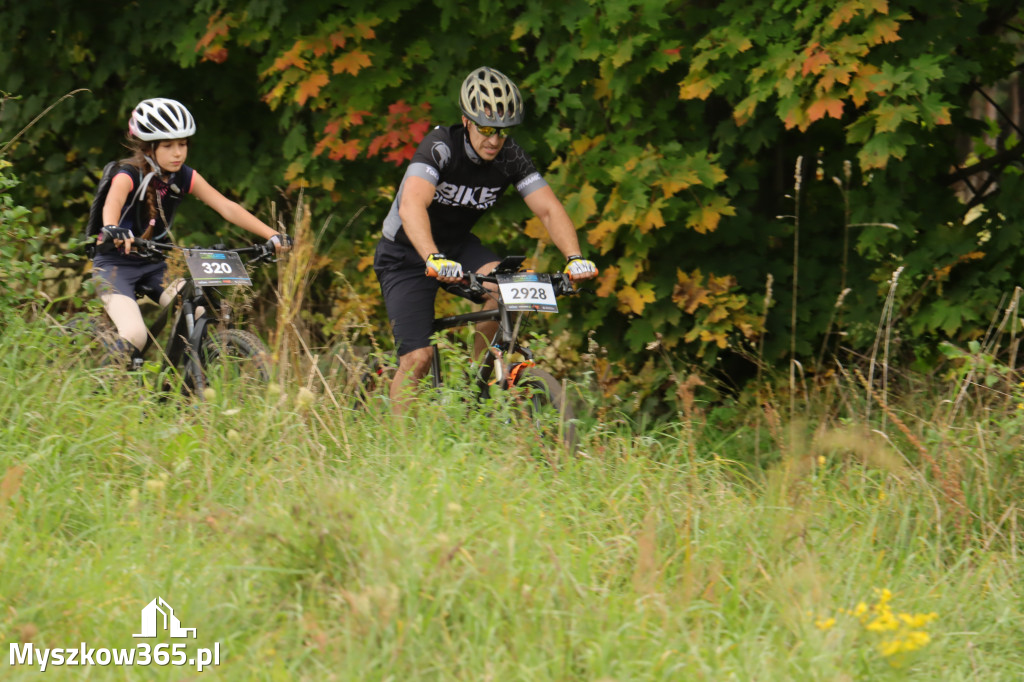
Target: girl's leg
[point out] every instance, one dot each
(125, 314)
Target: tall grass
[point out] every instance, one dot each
(444, 546)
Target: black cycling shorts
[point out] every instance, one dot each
(409, 294)
(127, 275)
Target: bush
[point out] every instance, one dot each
(29, 254)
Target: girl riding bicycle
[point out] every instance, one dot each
(141, 202)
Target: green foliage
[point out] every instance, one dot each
(670, 130)
(27, 258)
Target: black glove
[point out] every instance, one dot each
(281, 240)
(115, 232)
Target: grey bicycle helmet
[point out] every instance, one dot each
(161, 119)
(489, 89)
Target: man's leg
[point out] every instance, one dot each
(412, 367)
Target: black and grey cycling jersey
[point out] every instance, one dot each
(465, 185)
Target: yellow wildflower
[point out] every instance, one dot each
(824, 623)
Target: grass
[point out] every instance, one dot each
(317, 543)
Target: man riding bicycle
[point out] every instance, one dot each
(456, 175)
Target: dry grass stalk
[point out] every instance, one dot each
(949, 479)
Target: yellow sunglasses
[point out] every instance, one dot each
(488, 131)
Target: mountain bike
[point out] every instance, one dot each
(204, 346)
(509, 364)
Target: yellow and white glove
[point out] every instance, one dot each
(438, 265)
(580, 268)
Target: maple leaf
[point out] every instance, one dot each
(351, 62)
(365, 262)
(888, 118)
(338, 40)
(865, 82)
(600, 234)
(796, 118)
(651, 220)
(364, 29)
(826, 106)
(399, 107)
(216, 55)
(356, 117)
(582, 204)
(694, 87)
(815, 60)
(291, 58)
(401, 155)
(883, 30)
(320, 46)
(333, 127)
(678, 180)
(880, 6)
(743, 111)
(842, 14)
(688, 293)
(348, 150)
(310, 87)
(535, 229)
(706, 218)
(606, 281)
(418, 130)
(839, 73)
(632, 300)
(388, 140)
(216, 27)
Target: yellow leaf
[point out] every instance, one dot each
(652, 220)
(293, 171)
(535, 229)
(705, 218)
(693, 87)
(582, 205)
(584, 144)
(679, 181)
(744, 110)
(607, 280)
(605, 228)
(633, 301)
(365, 262)
(519, 30)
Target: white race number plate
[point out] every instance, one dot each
(212, 268)
(527, 291)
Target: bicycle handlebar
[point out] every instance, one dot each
(471, 285)
(262, 252)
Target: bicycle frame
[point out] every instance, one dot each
(506, 338)
(187, 329)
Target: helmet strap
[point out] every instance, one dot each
(154, 168)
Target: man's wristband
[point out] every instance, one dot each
(573, 257)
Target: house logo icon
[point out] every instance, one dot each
(158, 611)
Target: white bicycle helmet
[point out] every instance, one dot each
(161, 119)
(486, 88)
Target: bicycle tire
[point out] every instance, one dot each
(234, 360)
(99, 338)
(193, 380)
(546, 406)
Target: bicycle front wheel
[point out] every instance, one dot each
(544, 404)
(234, 361)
